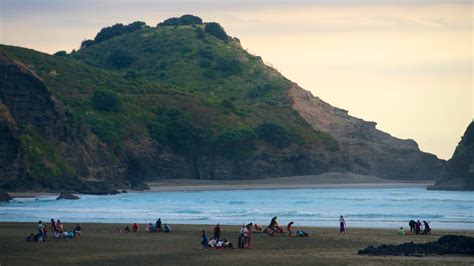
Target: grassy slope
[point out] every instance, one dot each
(171, 68)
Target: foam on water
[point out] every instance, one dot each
(385, 208)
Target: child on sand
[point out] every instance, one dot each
(204, 240)
(289, 228)
(401, 232)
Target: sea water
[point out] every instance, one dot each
(379, 208)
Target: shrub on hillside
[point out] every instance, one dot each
(274, 134)
(120, 59)
(183, 20)
(236, 143)
(112, 31)
(216, 30)
(61, 53)
(104, 100)
(177, 130)
(229, 66)
(260, 91)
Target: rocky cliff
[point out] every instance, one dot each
(459, 172)
(364, 149)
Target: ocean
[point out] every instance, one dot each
(377, 208)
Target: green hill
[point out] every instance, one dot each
(138, 103)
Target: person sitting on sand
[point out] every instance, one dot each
(135, 227)
(427, 228)
(258, 228)
(412, 224)
(77, 230)
(57, 235)
(401, 232)
(220, 244)
(212, 243)
(342, 225)
(126, 230)
(302, 233)
(227, 244)
(288, 228)
(204, 240)
(31, 238)
(167, 229)
(68, 234)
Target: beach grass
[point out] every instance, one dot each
(101, 244)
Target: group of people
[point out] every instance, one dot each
(418, 227)
(245, 239)
(215, 242)
(157, 227)
(58, 232)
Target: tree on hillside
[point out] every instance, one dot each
(112, 31)
(61, 53)
(216, 30)
(181, 21)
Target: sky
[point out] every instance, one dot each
(407, 65)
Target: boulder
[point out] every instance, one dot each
(68, 196)
(4, 196)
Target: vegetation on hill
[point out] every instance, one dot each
(188, 91)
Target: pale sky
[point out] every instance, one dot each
(407, 65)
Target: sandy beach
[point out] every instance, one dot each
(101, 244)
(323, 181)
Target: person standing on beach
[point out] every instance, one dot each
(217, 232)
(40, 231)
(249, 236)
(53, 227)
(158, 225)
(342, 225)
(289, 228)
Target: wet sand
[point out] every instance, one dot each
(323, 181)
(101, 244)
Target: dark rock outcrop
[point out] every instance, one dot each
(67, 196)
(366, 150)
(459, 172)
(446, 245)
(4, 196)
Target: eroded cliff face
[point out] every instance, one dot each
(459, 172)
(38, 150)
(366, 150)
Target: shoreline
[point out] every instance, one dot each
(322, 181)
